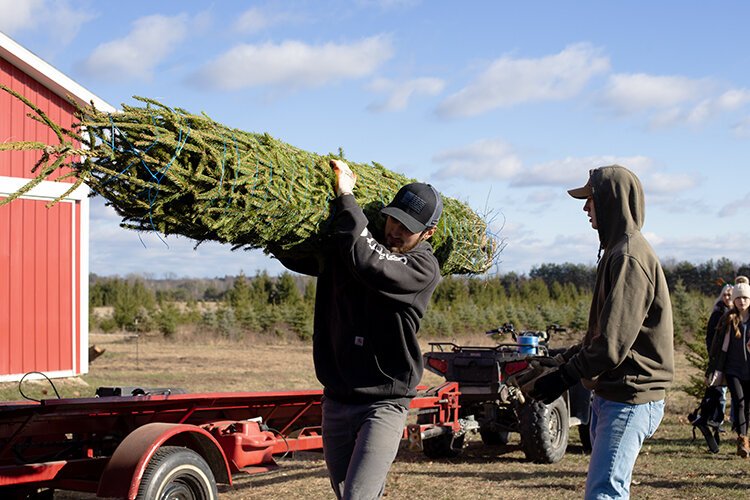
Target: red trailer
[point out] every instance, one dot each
(159, 445)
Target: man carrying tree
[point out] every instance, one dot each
(627, 355)
(370, 299)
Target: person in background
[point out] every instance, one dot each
(627, 355)
(709, 416)
(729, 355)
(370, 298)
(721, 306)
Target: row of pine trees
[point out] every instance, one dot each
(234, 306)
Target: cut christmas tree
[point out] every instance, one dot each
(164, 169)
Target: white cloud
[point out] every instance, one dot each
(26, 15)
(388, 4)
(733, 99)
(670, 100)
(58, 19)
(632, 93)
(735, 207)
(701, 247)
(509, 81)
(571, 171)
(295, 64)
(729, 101)
(664, 183)
(401, 92)
(137, 55)
(653, 238)
(742, 128)
(134, 252)
(526, 249)
(256, 19)
(251, 21)
(64, 22)
(479, 161)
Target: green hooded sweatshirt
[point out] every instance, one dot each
(627, 354)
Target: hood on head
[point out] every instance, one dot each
(619, 202)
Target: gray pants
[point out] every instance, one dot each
(360, 442)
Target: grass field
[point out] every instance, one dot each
(670, 465)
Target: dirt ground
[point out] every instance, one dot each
(670, 465)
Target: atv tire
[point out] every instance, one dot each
(544, 431)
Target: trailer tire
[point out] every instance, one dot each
(175, 472)
(544, 431)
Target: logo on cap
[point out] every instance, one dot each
(413, 202)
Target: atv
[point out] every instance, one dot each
(492, 402)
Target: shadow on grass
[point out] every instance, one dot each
(477, 452)
(702, 484)
(305, 466)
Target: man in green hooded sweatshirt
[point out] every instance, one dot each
(627, 355)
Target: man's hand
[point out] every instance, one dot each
(549, 387)
(553, 362)
(345, 178)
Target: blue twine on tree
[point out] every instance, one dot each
(156, 175)
(237, 162)
(130, 149)
(152, 199)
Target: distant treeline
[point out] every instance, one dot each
(234, 306)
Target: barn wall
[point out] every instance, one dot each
(43, 251)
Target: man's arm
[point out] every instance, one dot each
(398, 276)
(620, 321)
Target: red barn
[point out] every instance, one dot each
(43, 251)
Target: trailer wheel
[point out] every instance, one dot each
(544, 431)
(177, 473)
(446, 445)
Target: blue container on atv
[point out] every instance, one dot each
(527, 344)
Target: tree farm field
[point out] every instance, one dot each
(670, 465)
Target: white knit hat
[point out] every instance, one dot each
(740, 290)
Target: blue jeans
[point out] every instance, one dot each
(360, 442)
(618, 431)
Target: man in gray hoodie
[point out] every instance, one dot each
(627, 355)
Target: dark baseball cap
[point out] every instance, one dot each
(417, 206)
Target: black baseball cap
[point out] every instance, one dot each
(417, 206)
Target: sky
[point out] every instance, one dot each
(503, 105)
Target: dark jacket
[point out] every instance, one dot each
(627, 354)
(734, 361)
(368, 307)
(713, 321)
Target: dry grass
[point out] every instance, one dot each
(670, 465)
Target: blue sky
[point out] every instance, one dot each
(503, 105)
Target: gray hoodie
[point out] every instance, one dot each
(627, 354)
